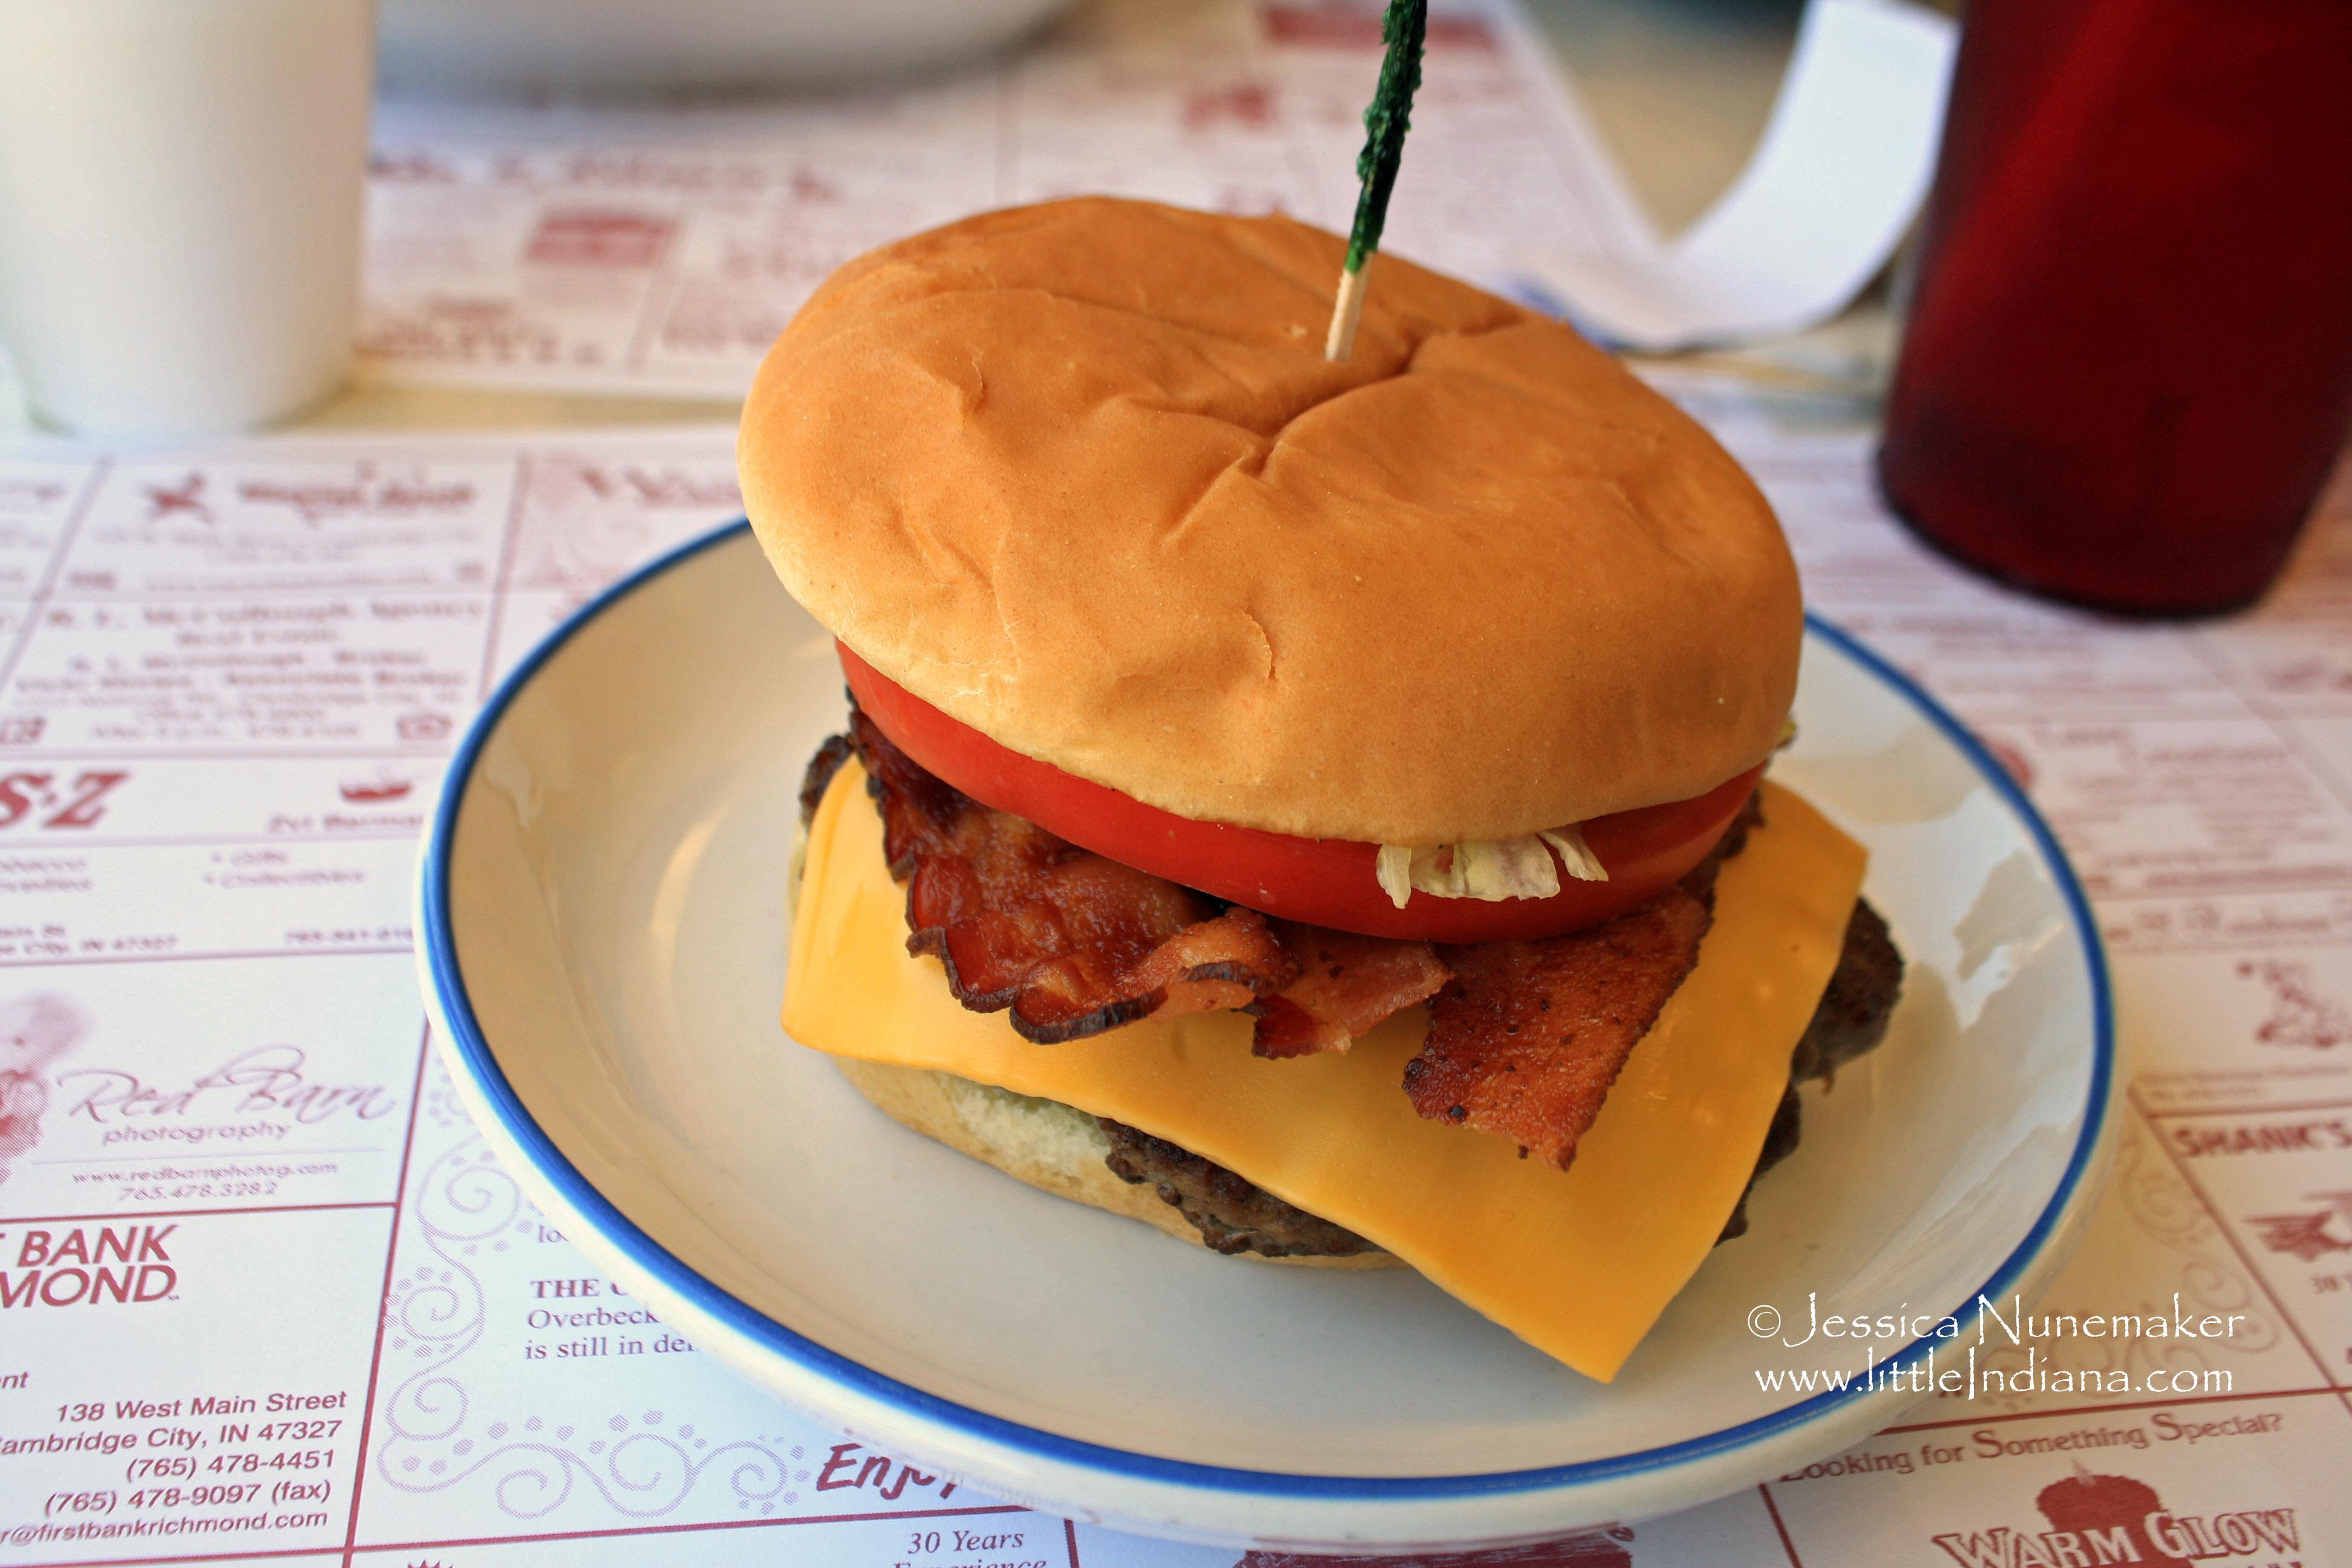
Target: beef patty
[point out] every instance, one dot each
(1235, 1216)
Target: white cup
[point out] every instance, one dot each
(181, 184)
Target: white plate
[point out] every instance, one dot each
(602, 934)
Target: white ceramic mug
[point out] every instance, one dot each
(181, 184)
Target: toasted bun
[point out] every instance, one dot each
(1043, 1142)
(1079, 475)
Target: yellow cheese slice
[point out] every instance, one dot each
(1577, 1264)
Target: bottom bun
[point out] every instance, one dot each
(1054, 1147)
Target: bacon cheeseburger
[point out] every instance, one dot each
(1313, 808)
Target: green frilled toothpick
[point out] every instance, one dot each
(1404, 29)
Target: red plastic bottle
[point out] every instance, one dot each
(2128, 363)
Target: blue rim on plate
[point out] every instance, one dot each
(441, 958)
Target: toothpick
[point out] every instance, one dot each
(1404, 29)
(1346, 311)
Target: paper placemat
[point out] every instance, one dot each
(661, 248)
(263, 1292)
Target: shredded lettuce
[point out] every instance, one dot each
(1396, 872)
(1575, 854)
(1519, 867)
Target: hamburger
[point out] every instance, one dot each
(1318, 809)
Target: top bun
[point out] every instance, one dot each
(1079, 475)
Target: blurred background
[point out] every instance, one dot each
(2130, 362)
(1679, 92)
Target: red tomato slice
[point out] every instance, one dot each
(1321, 881)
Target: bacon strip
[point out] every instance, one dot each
(1347, 984)
(1527, 1041)
(1071, 942)
(1525, 1038)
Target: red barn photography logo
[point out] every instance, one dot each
(2090, 1522)
(274, 1083)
